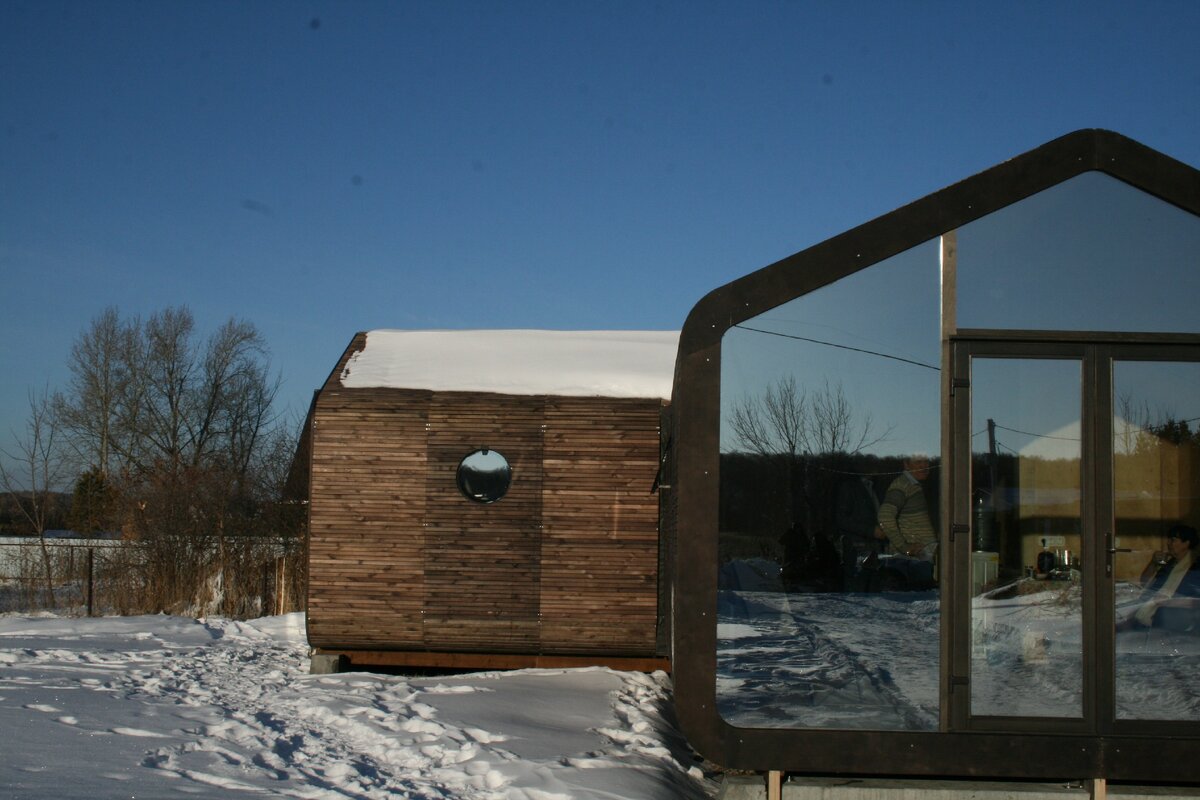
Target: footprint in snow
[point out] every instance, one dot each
(423, 711)
(442, 688)
(484, 737)
(138, 732)
(422, 726)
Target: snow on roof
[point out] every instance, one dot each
(524, 362)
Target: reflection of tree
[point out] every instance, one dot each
(1176, 432)
(1144, 430)
(1156, 466)
(787, 420)
(806, 437)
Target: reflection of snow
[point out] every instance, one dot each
(736, 631)
(1027, 657)
(1027, 651)
(1158, 671)
(828, 660)
(871, 661)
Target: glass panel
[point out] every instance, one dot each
(822, 622)
(1026, 604)
(1090, 254)
(1156, 482)
(484, 476)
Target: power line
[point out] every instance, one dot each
(1039, 435)
(840, 346)
(932, 468)
(1130, 428)
(1006, 447)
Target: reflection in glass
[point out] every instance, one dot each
(1026, 598)
(1156, 483)
(484, 476)
(822, 622)
(1090, 254)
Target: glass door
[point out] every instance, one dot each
(1155, 549)
(1076, 556)
(1027, 590)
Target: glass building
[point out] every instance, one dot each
(935, 485)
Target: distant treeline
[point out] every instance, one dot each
(14, 523)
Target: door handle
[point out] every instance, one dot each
(1112, 550)
(1112, 545)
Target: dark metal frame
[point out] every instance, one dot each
(1165, 754)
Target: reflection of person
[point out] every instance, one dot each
(1178, 577)
(904, 514)
(858, 522)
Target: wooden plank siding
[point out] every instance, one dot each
(365, 542)
(600, 538)
(566, 563)
(481, 559)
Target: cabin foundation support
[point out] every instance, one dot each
(328, 664)
(754, 787)
(367, 659)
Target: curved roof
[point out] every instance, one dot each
(524, 362)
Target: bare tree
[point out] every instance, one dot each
(234, 397)
(786, 420)
(36, 469)
(89, 413)
(167, 396)
(182, 433)
(95, 413)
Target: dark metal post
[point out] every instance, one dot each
(90, 573)
(992, 456)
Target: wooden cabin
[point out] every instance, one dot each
(487, 499)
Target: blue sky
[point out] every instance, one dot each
(324, 168)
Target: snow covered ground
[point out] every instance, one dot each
(170, 707)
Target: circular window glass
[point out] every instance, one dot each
(484, 476)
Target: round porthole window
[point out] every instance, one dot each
(484, 476)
